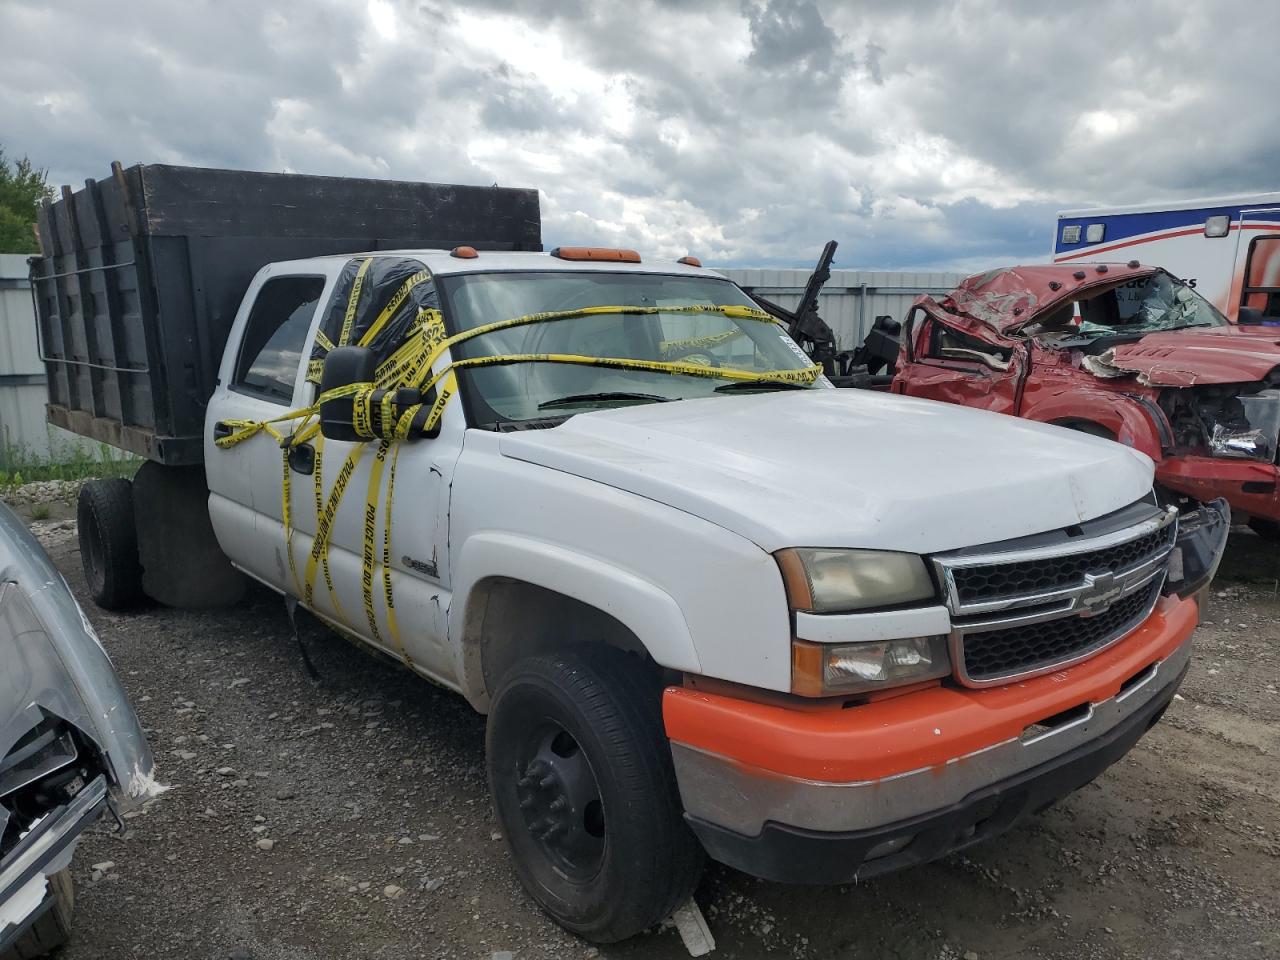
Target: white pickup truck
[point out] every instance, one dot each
(708, 602)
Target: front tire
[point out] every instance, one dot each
(1089, 427)
(581, 777)
(109, 543)
(1268, 530)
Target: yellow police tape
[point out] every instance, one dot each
(410, 367)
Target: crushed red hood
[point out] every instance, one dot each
(1185, 358)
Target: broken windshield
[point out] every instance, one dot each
(1138, 306)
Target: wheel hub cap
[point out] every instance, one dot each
(560, 802)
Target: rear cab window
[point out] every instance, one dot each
(275, 337)
(953, 346)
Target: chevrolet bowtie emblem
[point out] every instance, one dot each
(1100, 591)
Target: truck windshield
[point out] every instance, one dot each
(1131, 308)
(538, 390)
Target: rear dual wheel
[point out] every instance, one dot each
(583, 785)
(109, 543)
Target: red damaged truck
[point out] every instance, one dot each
(1120, 350)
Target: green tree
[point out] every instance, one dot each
(22, 187)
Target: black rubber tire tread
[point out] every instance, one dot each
(1268, 530)
(654, 865)
(106, 509)
(1089, 427)
(53, 929)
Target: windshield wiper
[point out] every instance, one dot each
(620, 395)
(1187, 326)
(760, 385)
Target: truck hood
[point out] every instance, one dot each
(1185, 358)
(846, 468)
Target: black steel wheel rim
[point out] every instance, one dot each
(560, 801)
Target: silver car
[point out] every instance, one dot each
(71, 748)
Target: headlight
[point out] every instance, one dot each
(1248, 429)
(825, 669)
(820, 580)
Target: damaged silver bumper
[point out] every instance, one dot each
(70, 743)
(743, 799)
(55, 666)
(44, 850)
(1202, 539)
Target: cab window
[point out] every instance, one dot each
(274, 337)
(1262, 277)
(952, 345)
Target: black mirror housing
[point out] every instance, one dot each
(344, 366)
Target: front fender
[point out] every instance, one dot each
(1128, 419)
(643, 608)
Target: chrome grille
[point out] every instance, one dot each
(993, 580)
(992, 654)
(1028, 607)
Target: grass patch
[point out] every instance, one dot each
(79, 464)
(41, 511)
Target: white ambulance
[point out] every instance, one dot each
(1227, 248)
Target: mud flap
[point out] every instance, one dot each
(182, 564)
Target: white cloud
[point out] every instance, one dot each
(382, 15)
(746, 131)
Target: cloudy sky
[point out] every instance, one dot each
(747, 131)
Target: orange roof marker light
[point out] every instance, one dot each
(596, 253)
(464, 253)
(690, 261)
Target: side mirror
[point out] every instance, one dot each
(1250, 316)
(344, 366)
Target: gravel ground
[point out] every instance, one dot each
(349, 818)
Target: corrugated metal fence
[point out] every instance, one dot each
(852, 299)
(24, 434)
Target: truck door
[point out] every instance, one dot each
(258, 381)
(947, 364)
(346, 578)
(1260, 264)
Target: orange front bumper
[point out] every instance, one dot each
(917, 730)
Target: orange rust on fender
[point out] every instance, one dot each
(924, 729)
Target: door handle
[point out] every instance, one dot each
(302, 458)
(221, 429)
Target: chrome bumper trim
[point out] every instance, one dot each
(945, 565)
(743, 798)
(51, 838)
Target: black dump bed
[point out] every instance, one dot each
(142, 274)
